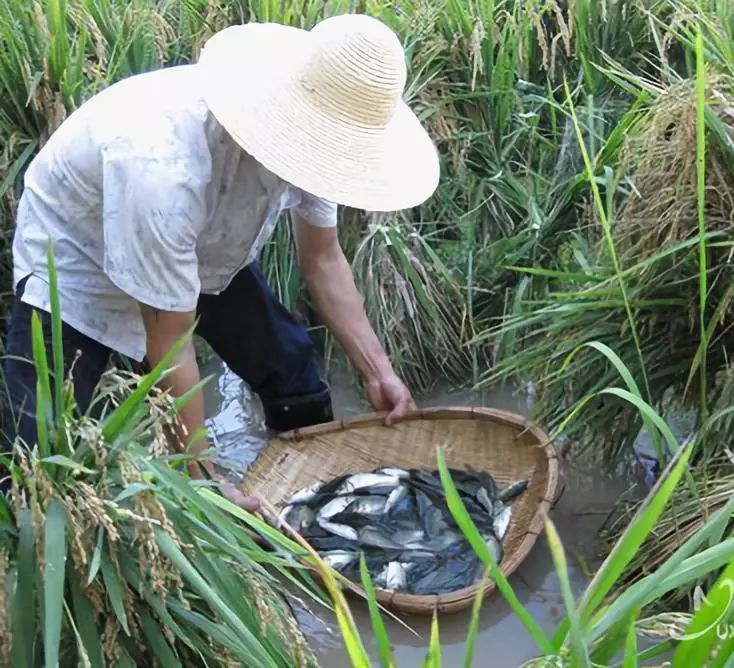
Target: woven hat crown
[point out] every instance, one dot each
(357, 73)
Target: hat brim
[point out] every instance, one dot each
(250, 81)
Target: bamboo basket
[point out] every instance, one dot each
(505, 444)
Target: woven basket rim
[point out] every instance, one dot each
(461, 598)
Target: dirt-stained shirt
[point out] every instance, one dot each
(146, 198)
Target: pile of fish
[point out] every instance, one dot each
(400, 521)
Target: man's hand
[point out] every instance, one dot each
(387, 392)
(230, 492)
(330, 283)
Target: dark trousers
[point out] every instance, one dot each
(245, 325)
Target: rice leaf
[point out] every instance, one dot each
(579, 649)
(702, 634)
(114, 590)
(54, 556)
(44, 419)
(634, 535)
(259, 655)
(630, 647)
(86, 622)
(57, 344)
(66, 462)
(157, 641)
(378, 626)
(96, 560)
(471, 636)
(701, 207)
(23, 610)
(433, 658)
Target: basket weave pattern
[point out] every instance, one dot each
(504, 444)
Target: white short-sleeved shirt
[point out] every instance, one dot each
(146, 198)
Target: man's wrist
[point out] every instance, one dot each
(375, 367)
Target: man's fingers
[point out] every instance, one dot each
(250, 503)
(401, 408)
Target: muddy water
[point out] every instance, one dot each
(236, 423)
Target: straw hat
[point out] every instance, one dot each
(323, 109)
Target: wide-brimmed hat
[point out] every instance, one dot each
(323, 109)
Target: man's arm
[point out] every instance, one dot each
(164, 329)
(330, 283)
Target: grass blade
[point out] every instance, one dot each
(433, 659)
(54, 556)
(630, 647)
(701, 203)
(23, 623)
(44, 419)
(57, 344)
(86, 622)
(579, 653)
(158, 642)
(635, 534)
(258, 653)
(702, 634)
(378, 626)
(471, 636)
(114, 591)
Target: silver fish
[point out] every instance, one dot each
(304, 495)
(513, 490)
(395, 496)
(374, 537)
(335, 506)
(501, 522)
(495, 548)
(338, 559)
(369, 505)
(398, 473)
(341, 530)
(362, 480)
(396, 575)
(483, 498)
(409, 539)
(299, 517)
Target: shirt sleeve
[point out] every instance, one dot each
(154, 209)
(316, 211)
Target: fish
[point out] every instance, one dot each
(372, 536)
(495, 547)
(335, 506)
(501, 522)
(339, 559)
(342, 530)
(304, 495)
(400, 492)
(399, 521)
(370, 505)
(331, 542)
(362, 480)
(483, 498)
(513, 490)
(393, 576)
(299, 517)
(398, 473)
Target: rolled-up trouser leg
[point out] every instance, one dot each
(259, 339)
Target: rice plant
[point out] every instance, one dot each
(111, 555)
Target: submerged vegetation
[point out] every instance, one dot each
(581, 239)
